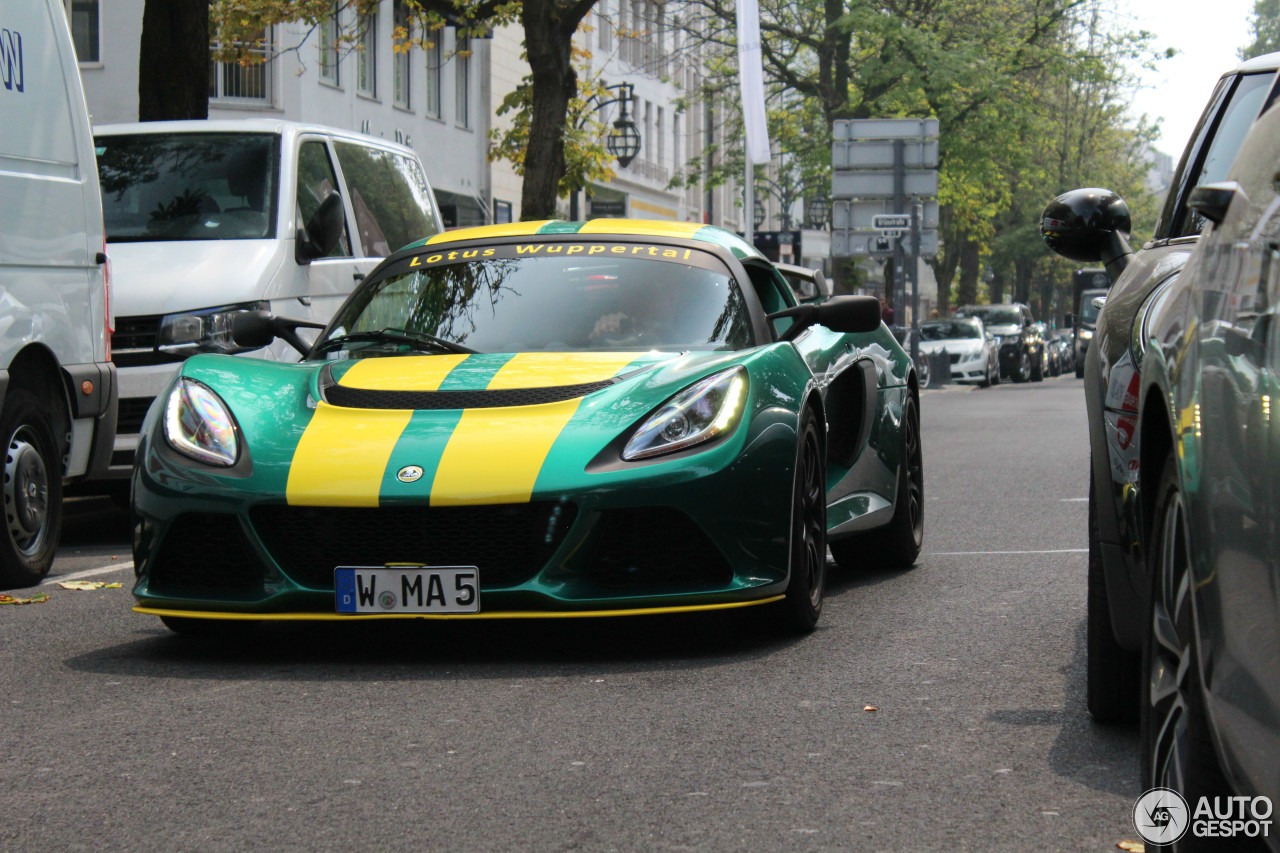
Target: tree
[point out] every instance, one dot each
(173, 64)
(1265, 25)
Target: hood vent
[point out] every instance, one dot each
(364, 398)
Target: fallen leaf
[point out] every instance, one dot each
(1132, 846)
(87, 585)
(38, 598)
(870, 708)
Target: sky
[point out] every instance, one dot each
(1207, 36)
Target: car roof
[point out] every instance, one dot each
(279, 127)
(601, 229)
(1265, 62)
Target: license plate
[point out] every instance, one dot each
(409, 588)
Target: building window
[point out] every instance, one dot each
(502, 212)
(400, 58)
(251, 84)
(329, 56)
(603, 24)
(462, 81)
(433, 75)
(367, 66)
(661, 137)
(84, 29)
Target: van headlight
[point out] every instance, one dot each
(697, 414)
(206, 330)
(198, 424)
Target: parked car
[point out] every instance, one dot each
(57, 383)
(1092, 226)
(1021, 348)
(536, 419)
(1086, 322)
(1052, 357)
(208, 219)
(1064, 340)
(1209, 471)
(973, 352)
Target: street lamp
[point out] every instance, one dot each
(816, 210)
(624, 141)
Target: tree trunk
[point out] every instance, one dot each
(998, 282)
(967, 291)
(173, 65)
(1023, 268)
(548, 35)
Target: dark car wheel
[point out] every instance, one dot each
(799, 611)
(995, 373)
(1177, 748)
(1022, 372)
(898, 543)
(1037, 369)
(32, 489)
(985, 381)
(1114, 673)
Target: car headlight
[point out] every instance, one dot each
(198, 424)
(1086, 334)
(206, 330)
(1012, 339)
(699, 413)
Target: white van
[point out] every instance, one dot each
(208, 218)
(57, 383)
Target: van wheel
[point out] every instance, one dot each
(32, 491)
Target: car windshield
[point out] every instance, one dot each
(559, 297)
(1089, 311)
(996, 315)
(949, 330)
(188, 186)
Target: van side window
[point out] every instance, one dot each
(316, 180)
(774, 294)
(390, 197)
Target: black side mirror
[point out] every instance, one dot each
(845, 314)
(323, 231)
(257, 329)
(1089, 225)
(1212, 200)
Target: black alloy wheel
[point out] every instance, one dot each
(898, 543)
(32, 490)
(1177, 747)
(1022, 372)
(799, 611)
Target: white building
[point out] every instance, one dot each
(437, 101)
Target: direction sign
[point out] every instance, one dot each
(847, 243)
(891, 221)
(880, 184)
(885, 128)
(861, 214)
(916, 154)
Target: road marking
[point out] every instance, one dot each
(1074, 500)
(89, 573)
(1000, 553)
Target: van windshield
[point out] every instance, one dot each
(188, 186)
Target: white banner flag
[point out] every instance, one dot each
(751, 76)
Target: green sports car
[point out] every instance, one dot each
(535, 420)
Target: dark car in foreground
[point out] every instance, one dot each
(1092, 226)
(1209, 474)
(537, 419)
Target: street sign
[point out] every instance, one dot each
(916, 154)
(891, 221)
(885, 128)
(880, 184)
(891, 232)
(848, 243)
(861, 214)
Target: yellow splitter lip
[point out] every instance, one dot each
(516, 614)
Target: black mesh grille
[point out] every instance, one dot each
(955, 359)
(205, 551)
(651, 546)
(131, 414)
(363, 398)
(509, 543)
(135, 332)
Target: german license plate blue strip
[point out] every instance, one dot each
(407, 589)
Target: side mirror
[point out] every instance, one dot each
(1097, 302)
(1212, 200)
(323, 231)
(844, 314)
(256, 329)
(1088, 225)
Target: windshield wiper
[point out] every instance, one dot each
(418, 340)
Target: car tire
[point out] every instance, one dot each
(898, 543)
(985, 381)
(1177, 746)
(1113, 673)
(798, 612)
(1037, 369)
(32, 490)
(996, 378)
(1022, 372)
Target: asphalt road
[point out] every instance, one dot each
(631, 734)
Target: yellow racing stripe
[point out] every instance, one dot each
(547, 369)
(406, 373)
(496, 614)
(343, 454)
(510, 229)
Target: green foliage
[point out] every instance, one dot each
(1264, 23)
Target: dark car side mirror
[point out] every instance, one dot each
(1089, 225)
(257, 329)
(844, 314)
(1212, 200)
(323, 230)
